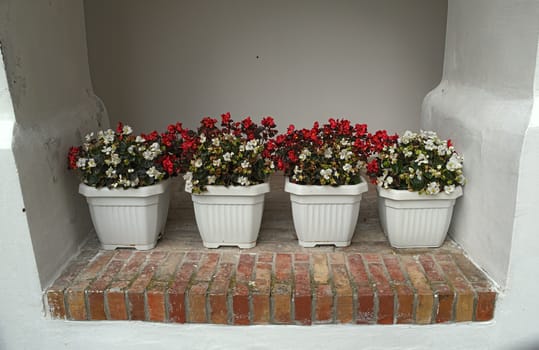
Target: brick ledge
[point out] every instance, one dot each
(272, 288)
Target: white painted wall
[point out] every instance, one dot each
(484, 104)
(154, 62)
(47, 69)
(23, 325)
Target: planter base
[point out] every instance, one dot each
(325, 215)
(128, 218)
(411, 220)
(230, 216)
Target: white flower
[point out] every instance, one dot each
(91, 163)
(228, 156)
(304, 154)
(153, 172)
(407, 137)
(148, 155)
(251, 144)
(215, 142)
(131, 149)
(155, 147)
(449, 188)
(408, 154)
(126, 130)
(389, 180)
(245, 164)
(345, 154)
(139, 139)
(130, 170)
(347, 167)
(188, 176)
(110, 172)
(89, 137)
(202, 138)
(217, 162)
(198, 163)
(242, 180)
(81, 163)
(433, 188)
(454, 163)
(442, 149)
(211, 179)
(429, 145)
(106, 150)
(345, 142)
(115, 159)
(422, 159)
(461, 179)
(328, 153)
(326, 173)
(297, 170)
(108, 136)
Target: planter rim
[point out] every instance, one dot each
(222, 190)
(326, 190)
(410, 195)
(144, 191)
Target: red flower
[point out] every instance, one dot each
(72, 157)
(247, 122)
(225, 118)
(268, 122)
(292, 156)
(361, 129)
(332, 123)
(449, 143)
(372, 167)
(290, 129)
(208, 122)
(119, 128)
(168, 165)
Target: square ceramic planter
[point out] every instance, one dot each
(230, 216)
(413, 220)
(325, 214)
(128, 218)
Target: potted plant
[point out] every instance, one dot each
(419, 179)
(124, 179)
(227, 179)
(323, 168)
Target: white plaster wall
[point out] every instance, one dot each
(484, 103)
(44, 48)
(154, 62)
(23, 325)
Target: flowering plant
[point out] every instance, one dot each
(331, 154)
(120, 159)
(236, 153)
(418, 162)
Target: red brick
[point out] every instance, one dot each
(218, 294)
(405, 304)
(55, 299)
(336, 258)
(445, 296)
(357, 269)
(464, 304)
(283, 267)
(155, 297)
(176, 292)
(165, 270)
(122, 254)
(365, 299)
(302, 294)
(424, 294)
(301, 257)
(394, 269)
(486, 300)
(96, 265)
(208, 265)
(96, 290)
(135, 293)
(265, 257)
(193, 256)
(320, 268)
(324, 304)
(240, 304)
(245, 268)
(344, 298)
(386, 299)
(281, 296)
(261, 289)
(430, 268)
(75, 300)
(197, 302)
(133, 266)
(115, 298)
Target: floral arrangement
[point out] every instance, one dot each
(119, 159)
(232, 154)
(419, 162)
(332, 154)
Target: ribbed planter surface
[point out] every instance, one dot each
(325, 214)
(128, 218)
(411, 220)
(230, 216)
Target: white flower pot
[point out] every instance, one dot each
(128, 218)
(325, 214)
(230, 216)
(413, 220)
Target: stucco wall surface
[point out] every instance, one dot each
(484, 103)
(300, 61)
(44, 49)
